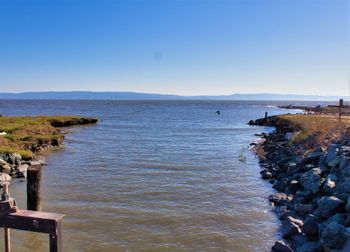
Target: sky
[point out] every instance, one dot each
(198, 47)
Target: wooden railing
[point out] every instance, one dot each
(34, 221)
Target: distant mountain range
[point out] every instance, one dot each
(147, 96)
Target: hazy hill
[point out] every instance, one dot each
(148, 96)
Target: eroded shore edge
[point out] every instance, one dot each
(313, 188)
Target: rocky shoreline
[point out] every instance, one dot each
(14, 165)
(313, 188)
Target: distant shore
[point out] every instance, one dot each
(307, 160)
(22, 138)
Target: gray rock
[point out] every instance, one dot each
(338, 218)
(3, 157)
(280, 199)
(293, 186)
(15, 158)
(22, 171)
(304, 209)
(311, 226)
(302, 196)
(282, 212)
(334, 162)
(311, 246)
(335, 236)
(298, 240)
(265, 174)
(329, 184)
(332, 152)
(328, 206)
(344, 166)
(281, 246)
(291, 226)
(311, 180)
(3, 162)
(6, 169)
(281, 185)
(347, 206)
(39, 160)
(344, 186)
(293, 168)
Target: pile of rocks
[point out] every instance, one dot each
(313, 198)
(13, 166)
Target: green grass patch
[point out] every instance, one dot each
(26, 134)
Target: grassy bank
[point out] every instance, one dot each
(27, 135)
(313, 131)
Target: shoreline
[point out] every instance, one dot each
(311, 173)
(25, 138)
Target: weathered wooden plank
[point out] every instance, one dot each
(26, 220)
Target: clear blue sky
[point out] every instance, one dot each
(180, 47)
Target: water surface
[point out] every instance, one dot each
(154, 176)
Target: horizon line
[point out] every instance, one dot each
(172, 94)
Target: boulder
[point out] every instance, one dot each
(38, 160)
(335, 236)
(298, 240)
(293, 168)
(327, 206)
(3, 162)
(15, 158)
(338, 218)
(310, 227)
(344, 166)
(291, 226)
(311, 180)
(281, 246)
(293, 186)
(344, 150)
(281, 185)
(280, 199)
(347, 206)
(344, 186)
(265, 174)
(304, 209)
(303, 196)
(334, 162)
(311, 246)
(332, 152)
(6, 169)
(329, 184)
(282, 212)
(22, 171)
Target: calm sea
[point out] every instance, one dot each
(153, 176)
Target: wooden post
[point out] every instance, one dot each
(7, 240)
(341, 102)
(6, 196)
(56, 244)
(34, 188)
(33, 221)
